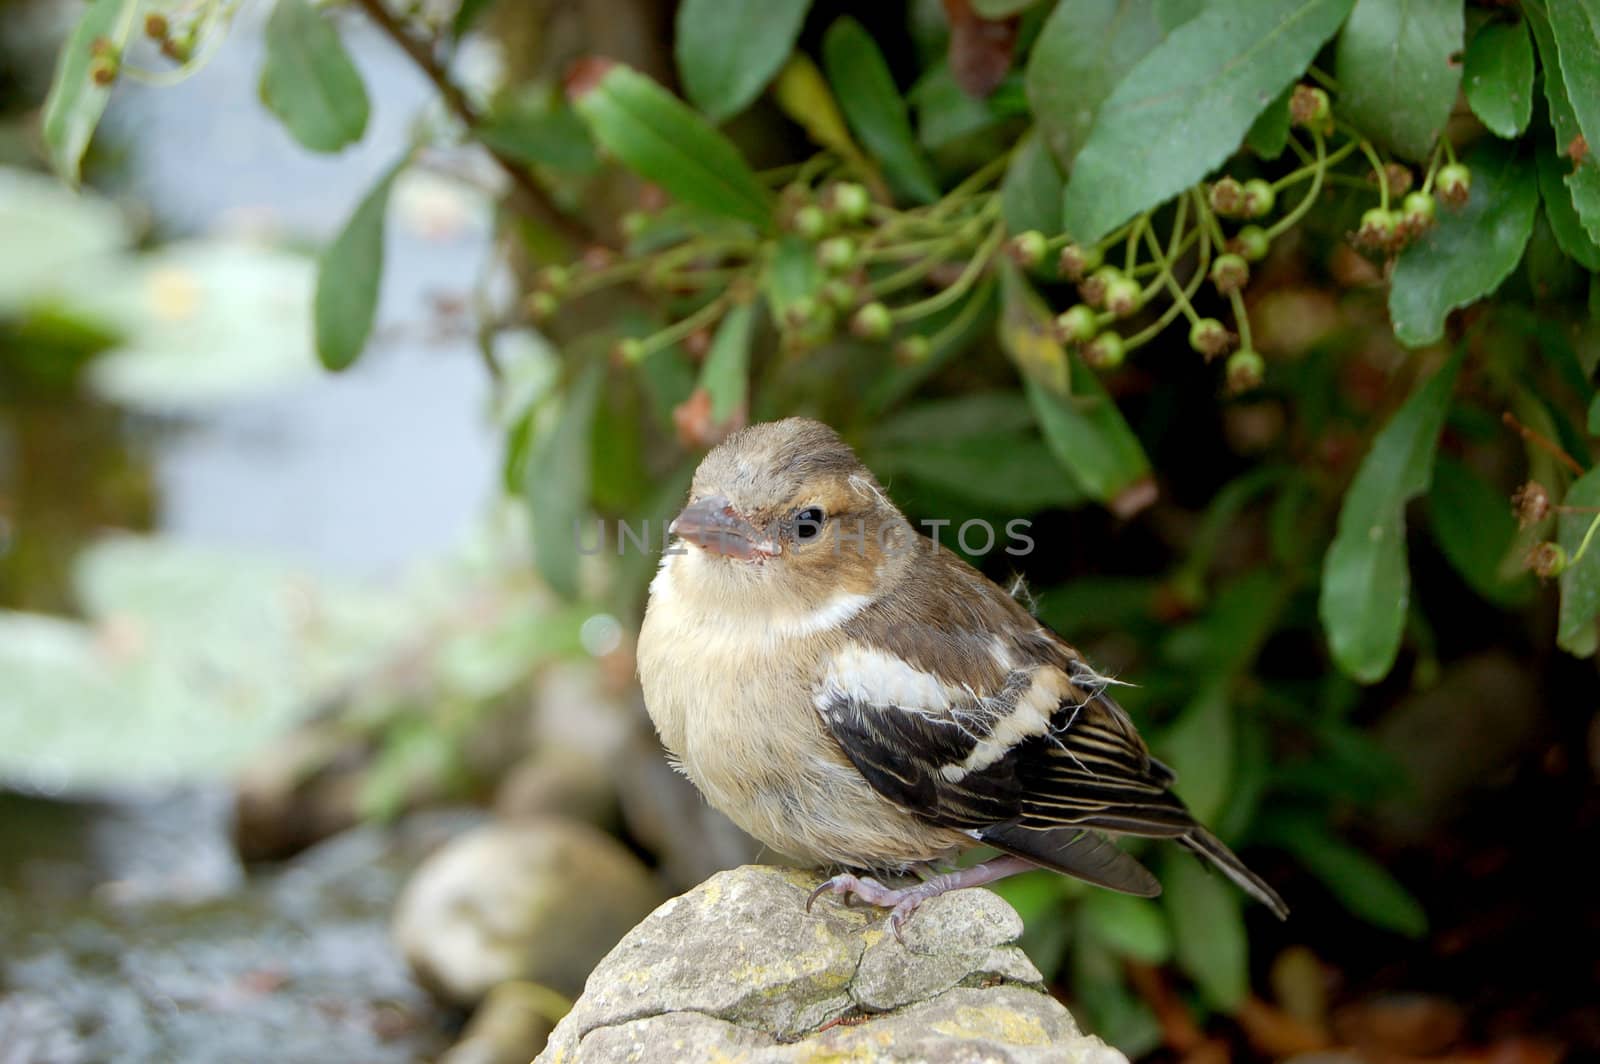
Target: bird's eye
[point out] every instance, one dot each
(808, 523)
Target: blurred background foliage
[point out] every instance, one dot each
(1277, 321)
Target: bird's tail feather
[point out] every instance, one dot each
(1086, 855)
(1207, 845)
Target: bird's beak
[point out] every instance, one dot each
(712, 524)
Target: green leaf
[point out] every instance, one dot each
(1009, 471)
(1030, 196)
(1361, 884)
(1475, 529)
(1570, 234)
(1580, 583)
(1583, 182)
(803, 94)
(945, 113)
(793, 277)
(308, 80)
(349, 273)
(1133, 927)
(1092, 442)
(1208, 934)
(75, 103)
(1084, 48)
(1028, 332)
(1497, 75)
(728, 50)
(1593, 420)
(1575, 24)
(1186, 106)
(1100, 988)
(1199, 747)
(954, 418)
(1398, 70)
(663, 140)
(1470, 251)
(1269, 133)
(875, 109)
(536, 127)
(726, 373)
(1365, 578)
(557, 485)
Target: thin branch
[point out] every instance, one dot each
(1542, 442)
(535, 200)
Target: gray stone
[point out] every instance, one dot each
(737, 970)
(540, 900)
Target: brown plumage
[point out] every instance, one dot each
(852, 694)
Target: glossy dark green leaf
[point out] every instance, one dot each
(726, 373)
(1398, 65)
(1269, 133)
(1091, 441)
(1583, 182)
(1112, 1010)
(308, 80)
(875, 109)
(662, 139)
(1593, 420)
(953, 418)
(557, 484)
(75, 103)
(1497, 76)
(945, 113)
(1003, 470)
(1473, 525)
(538, 128)
(1187, 105)
(1471, 250)
(1084, 48)
(1361, 884)
(1132, 927)
(1580, 583)
(1568, 228)
(1208, 934)
(728, 50)
(1575, 25)
(1030, 196)
(1366, 580)
(349, 275)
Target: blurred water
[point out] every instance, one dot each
(352, 475)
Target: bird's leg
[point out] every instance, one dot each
(903, 901)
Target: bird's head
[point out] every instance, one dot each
(785, 512)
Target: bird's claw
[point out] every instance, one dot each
(900, 903)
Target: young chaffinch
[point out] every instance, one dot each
(850, 693)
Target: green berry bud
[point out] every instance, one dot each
(1094, 288)
(1230, 273)
(1210, 337)
(1417, 213)
(1123, 296)
(1105, 351)
(1027, 249)
(1244, 371)
(1077, 261)
(1227, 198)
(553, 279)
(810, 222)
(801, 313)
(542, 306)
(840, 294)
(1252, 242)
(1309, 106)
(849, 201)
(630, 349)
(837, 254)
(1379, 229)
(912, 349)
(1076, 324)
(634, 223)
(872, 322)
(1259, 198)
(1548, 560)
(1454, 183)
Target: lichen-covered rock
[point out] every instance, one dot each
(539, 900)
(737, 970)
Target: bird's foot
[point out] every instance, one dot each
(903, 901)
